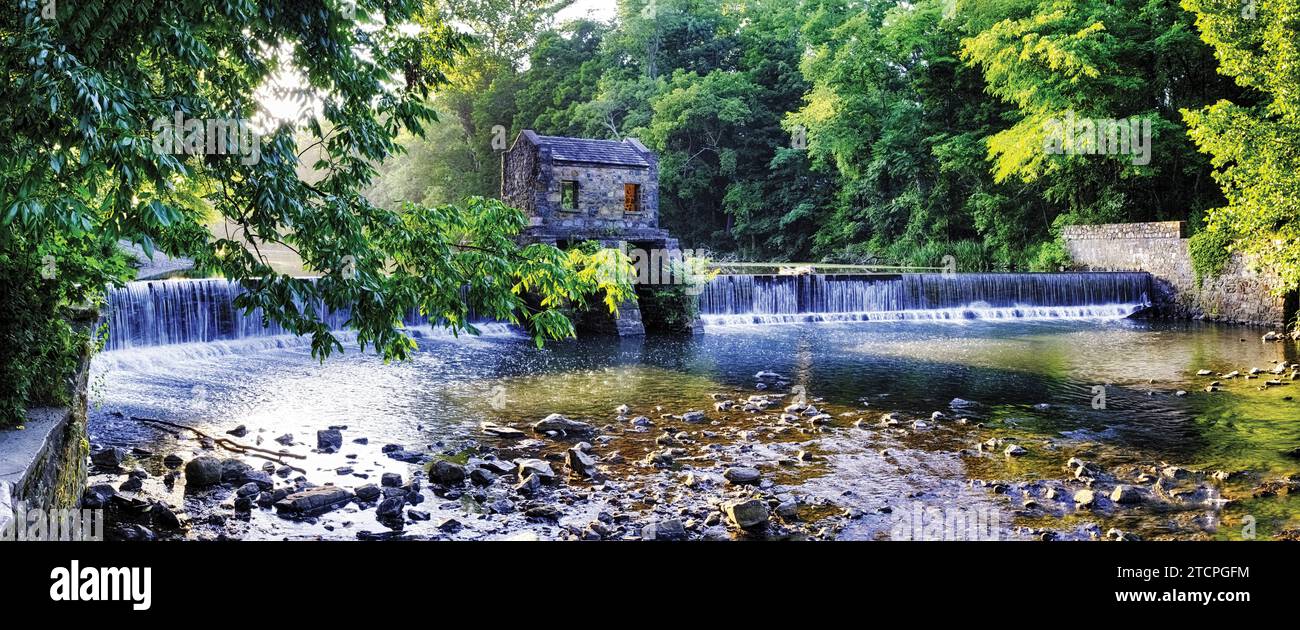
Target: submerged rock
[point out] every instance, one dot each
(499, 430)
(561, 424)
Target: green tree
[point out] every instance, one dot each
(88, 94)
(1255, 146)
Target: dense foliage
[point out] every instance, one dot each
(90, 158)
(1255, 146)
(856, 130)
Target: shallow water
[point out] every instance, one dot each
(1032, 381)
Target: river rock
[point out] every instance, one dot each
(391, 508)
(746, 514)
(1124, 493)
(163, 518)
(536, 467)
(202, 472)
(173, 461)
(450, 525)
(232, 470)
(1014, 450)
(445, 472)
(328, 439)
(96, 497)
(503, 431)
(368, 492)
(669, 529)
(693, 416)
(580, 464)
(544, 512)
(239, 431)
(529, 485)
(482, 476)
(110, 458)
(1085, 499)
(313, 500)
(559, 423)
(742, 475)
(258, 477)
(390, 480)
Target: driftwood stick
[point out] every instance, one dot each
(227, 443)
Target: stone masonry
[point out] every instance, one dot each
(1243, 293)
(578, 189)
(537, 169)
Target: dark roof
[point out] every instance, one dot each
(594, 151)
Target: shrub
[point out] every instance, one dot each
(41, 282)
(1210, 251)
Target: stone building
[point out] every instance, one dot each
(576, 189)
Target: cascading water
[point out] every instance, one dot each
(166, 312)
(780, 299)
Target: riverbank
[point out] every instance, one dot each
(711, 448)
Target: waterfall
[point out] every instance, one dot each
(166, 312)
(842, 297)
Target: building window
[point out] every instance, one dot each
(569, 195)
(631, 197)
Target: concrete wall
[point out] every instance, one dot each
(1242, 293)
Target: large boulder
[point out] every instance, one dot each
(202, 472)
(558, 423)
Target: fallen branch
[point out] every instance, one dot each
(227, 443)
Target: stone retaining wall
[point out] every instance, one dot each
(1243, 293)
(44, 464)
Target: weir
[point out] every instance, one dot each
(166, 312)
(754, 299)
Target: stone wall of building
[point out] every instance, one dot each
(519, 171)
(600, 197)
(1243, 293)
